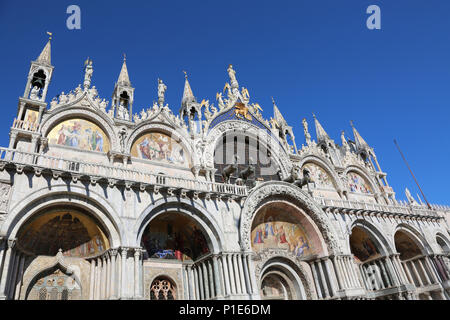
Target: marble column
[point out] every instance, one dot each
(211, 279)
(241, 273)
(91, 280)
(200, 282)
(226, 274)
(337, 273)
(205, 281)
(331, 276)
(98, 279)
(237, 277)
(113, 273)
(433, 272)
(5, 271)
(217, 281)
(108, 276)
(320, 294)
(137, 254)
(324, 280)
(123, 272)
(416, 273)
(20, 275)
(232, 278)
(197, 293)
(407, 272)
(12, 279)
(253, 280)
(246, 273)
(424, 270)
(344, 272)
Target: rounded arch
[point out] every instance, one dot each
(278, 152)
(300, 281)
(365, 175)
(177, 135)
(282, 190)
(61, 114)
(41, 199)
(327, 167)
(380, 240)
(443, 243)
(404, 234)
(191, 209)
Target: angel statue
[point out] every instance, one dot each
(88, 70)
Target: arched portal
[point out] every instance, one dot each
(406, 245)
(173, 235)
(52, 251)
(364, 245)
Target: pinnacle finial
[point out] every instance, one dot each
(351, 123)
(124, 57)
(273, 101)
(185, 74)
(314, 116)
(50, 34)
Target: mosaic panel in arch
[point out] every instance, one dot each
(279, 230)
(159, 147)
(74, 233)
(358, 184)
(362, 245)
(174, 236)
(81, 134)
(320, 177)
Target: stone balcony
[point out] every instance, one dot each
(59, 167)
(25, 125)
(400, 208)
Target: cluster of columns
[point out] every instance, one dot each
(346, 272)
(12, 264)
(324, 278)
(117, 273)
(220, 275)
(382, 273)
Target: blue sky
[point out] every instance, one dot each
(311, 56)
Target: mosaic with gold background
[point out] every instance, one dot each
(320, 177)
(81, 134)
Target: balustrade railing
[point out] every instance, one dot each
(25, 125)
(119, 173)
(398, 208)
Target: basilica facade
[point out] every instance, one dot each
(100, 201)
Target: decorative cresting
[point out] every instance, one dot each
(179, 136)
(216, 133)
(273, 255)
(49, 122)
(295, 194)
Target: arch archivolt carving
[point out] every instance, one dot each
(40, 199)
(66, 113)
(268, 256)
(187, 207)
(147, 127)
(216, 133)
(264, 192)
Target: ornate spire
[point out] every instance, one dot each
(188, 96)
(360, 143)
(278, 116)
(321, 134)
(124, 79)
(45, 56)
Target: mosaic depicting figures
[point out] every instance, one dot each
(31, 117)
(362, 246)
(279, 230)
(55, 286)
(319, 176)
(174, 236)
(74, 233)
(159, 147)
(81, 134)
(358, 184)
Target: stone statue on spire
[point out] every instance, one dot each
(161, 91)
(232, 75)
(344, 141)
(305, 129)
(88, 70)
